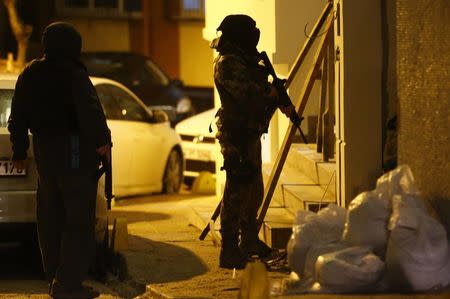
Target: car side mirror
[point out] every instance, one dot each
(160, 116)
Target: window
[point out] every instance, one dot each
(5, 106)
(76, 3)
(129, 108)
(100, 8)
(189, 10)
(109, 104)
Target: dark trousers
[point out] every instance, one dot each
(66, 226)
(242, 195)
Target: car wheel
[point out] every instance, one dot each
(173, 174)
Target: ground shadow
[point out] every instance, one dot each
(20, 261)
(156, 262)
(159, 262)
(21, 269)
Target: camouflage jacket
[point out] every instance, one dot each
(243, 88)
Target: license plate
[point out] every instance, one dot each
(7, 169)
(197, 154)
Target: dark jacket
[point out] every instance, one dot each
(56, 101)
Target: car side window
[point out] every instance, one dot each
(109, 104)
(129, 108)
(5, 105)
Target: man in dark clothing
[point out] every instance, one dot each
(55, 99)
(248, 101)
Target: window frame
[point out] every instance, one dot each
(96, 12)
(177, 11)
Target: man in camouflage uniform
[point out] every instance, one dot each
(248, 101)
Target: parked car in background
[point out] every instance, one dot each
(198, 144)
(142, 76)
(146, 156)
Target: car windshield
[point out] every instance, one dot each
(103, 67)
(5, 106)
(125, 69)
(155, 73)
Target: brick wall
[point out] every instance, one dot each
(422, 47)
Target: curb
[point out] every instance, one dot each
(157, 294)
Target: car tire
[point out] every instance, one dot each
(173, 174)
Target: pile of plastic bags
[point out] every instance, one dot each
(387, 240)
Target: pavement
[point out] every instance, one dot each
(165, 258)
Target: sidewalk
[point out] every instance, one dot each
(167, 260)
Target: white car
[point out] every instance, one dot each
(198, 143)
(146, 154)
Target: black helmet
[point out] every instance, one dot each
(240, 30)
(62, 40)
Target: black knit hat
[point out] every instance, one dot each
(62, 40)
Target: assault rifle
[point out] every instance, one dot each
(283, 97)
(107, 170)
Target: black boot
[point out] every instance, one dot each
(230, 254)
(255, 248)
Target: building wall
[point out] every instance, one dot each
(422, 36)
(358, 97)
(161, 40)
(196, 62)
(103, 34)
(294, 21)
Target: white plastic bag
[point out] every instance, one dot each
(349, 270)
(367, 222)
(313, 229)
(317, 250)
(398, 181)
(417, 256)
(369, 212)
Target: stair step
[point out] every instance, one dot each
(288, 176)
(277, 228)
(306, 160)
(306, 197)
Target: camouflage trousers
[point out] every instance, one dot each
(243, 192)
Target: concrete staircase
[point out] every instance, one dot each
(305, 183)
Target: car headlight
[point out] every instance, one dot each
(184, 105)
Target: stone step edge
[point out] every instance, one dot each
(316, 169)
(302, 197)
(326, 197)
(290, 176)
